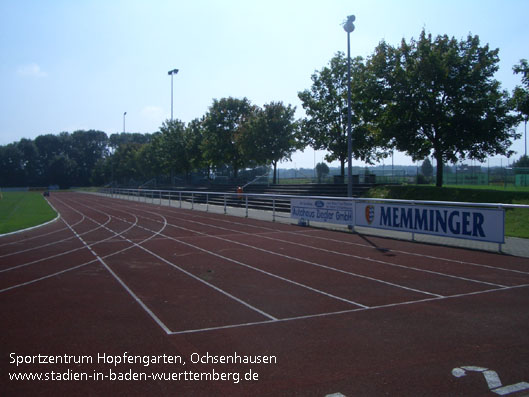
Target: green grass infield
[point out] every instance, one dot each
(20, 210)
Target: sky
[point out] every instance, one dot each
(70, 65)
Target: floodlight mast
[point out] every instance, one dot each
(349, 27)
(172, 73)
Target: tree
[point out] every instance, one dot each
(30, 161)
(439, 95)
(124, 162)
(194, 140)
(521, 94)
(427, 168)
(122, 138)
(174, 154)
(11, 166)
(322, 170)
(325, 104)
(149, 157)
(226, 120)
(62, 171)
(271, 135)
(522, 162)
(87, 147)
(49, 146)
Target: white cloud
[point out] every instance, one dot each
(32, 70)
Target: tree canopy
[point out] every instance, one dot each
(431, 96)
(325, 104)
(439, 96)
(271, 135)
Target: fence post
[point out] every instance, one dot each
(354, 215)
(169, 199)
(207, 202)
(500, 245)
(192, 200)
(274, 209)
(224, 203)
(413, 233)
(180, 198)
(246, 196)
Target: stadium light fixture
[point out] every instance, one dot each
(349, 27)
(124, 114)
(172, 73)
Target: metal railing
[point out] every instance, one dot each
(268, 202)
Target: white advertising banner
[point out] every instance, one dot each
(458, 222)
(328, 211)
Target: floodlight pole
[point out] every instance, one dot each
(525, 136)
(349, 27)
(172, 73)
(124, 114)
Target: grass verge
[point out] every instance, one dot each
(20, 210)
(516, 220)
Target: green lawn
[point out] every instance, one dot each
(508, 188)
(20, 210)
(516, 220)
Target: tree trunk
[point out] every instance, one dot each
(275, 172)
(439, 174)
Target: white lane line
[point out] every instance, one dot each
(72, 268)
(253, 267)
(438, 258)
(190, 274)
(343, 254)
(52, 243)
(290, 258)
(47, 276)
(40, 235)
(61, 253)
(311, 316)
(130, 292)
(31, 228)
(388, 263)
(315, 231)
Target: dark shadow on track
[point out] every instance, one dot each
(385, 251)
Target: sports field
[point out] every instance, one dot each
(120, 297)
(20, 210)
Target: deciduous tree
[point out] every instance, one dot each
(438, 95)
(325, 104)
(225, 121)
(271, 135)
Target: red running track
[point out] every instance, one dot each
(334, 312)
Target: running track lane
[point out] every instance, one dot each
(401, 349)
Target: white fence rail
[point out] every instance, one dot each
(472, 221)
